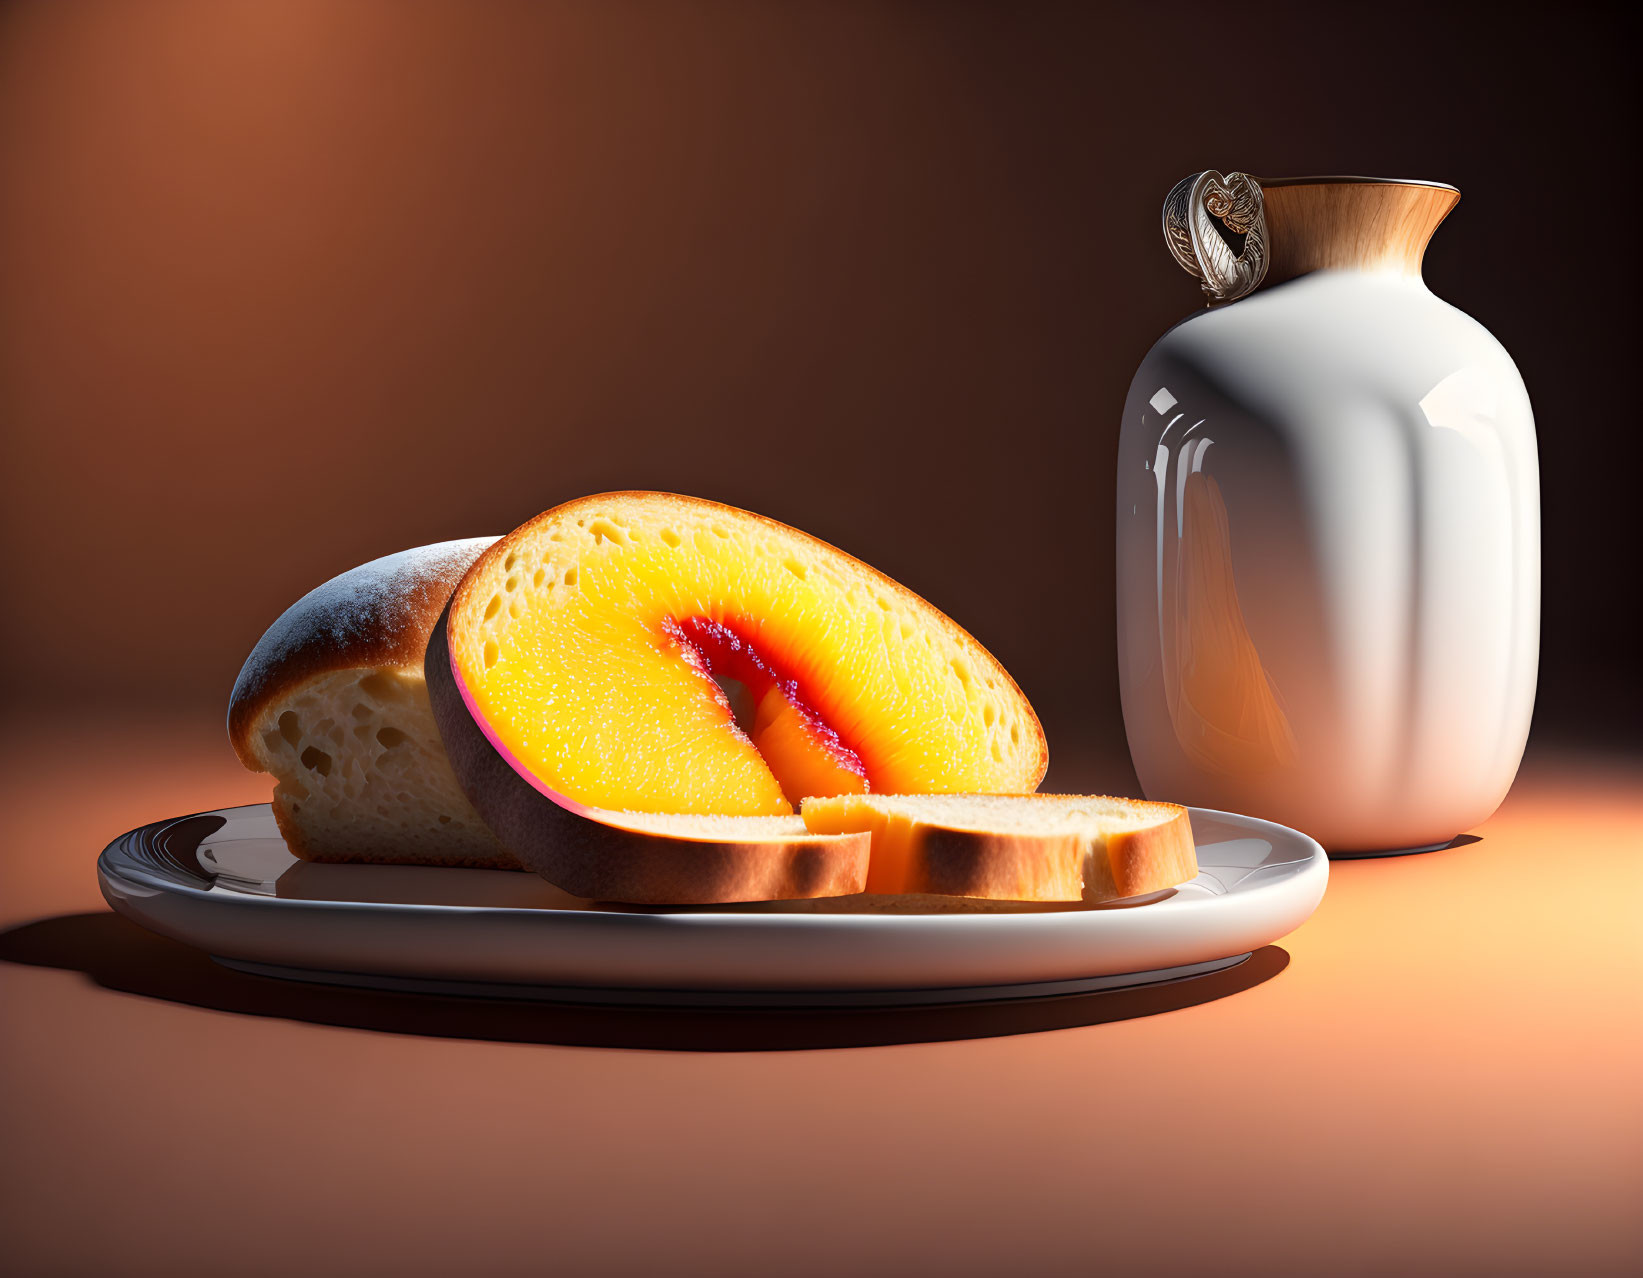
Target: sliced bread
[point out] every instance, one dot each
(1014, 847)
(674, 859)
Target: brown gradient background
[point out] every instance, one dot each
(288, 285)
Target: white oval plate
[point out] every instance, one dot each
(224, 882)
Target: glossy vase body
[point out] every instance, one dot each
(1329, 559)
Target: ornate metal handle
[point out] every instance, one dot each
(1192, 210)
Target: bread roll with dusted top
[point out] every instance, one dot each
(332, 703)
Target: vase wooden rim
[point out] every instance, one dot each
(1343, 179)
(1380, 225)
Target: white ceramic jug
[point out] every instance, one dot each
(1328, 525)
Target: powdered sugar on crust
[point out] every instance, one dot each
(380, 612)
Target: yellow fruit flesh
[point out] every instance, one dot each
(564, 636)
(804, 761)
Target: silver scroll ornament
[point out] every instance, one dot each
(1191, 210)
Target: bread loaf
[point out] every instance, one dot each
(332, 703)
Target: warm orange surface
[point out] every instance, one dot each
(1442, 1080)
(588, 637)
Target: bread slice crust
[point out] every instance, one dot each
(922, 845)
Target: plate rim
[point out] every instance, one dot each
(1315, 860)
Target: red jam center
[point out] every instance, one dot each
(718, 651)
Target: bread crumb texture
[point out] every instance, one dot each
(362, 774)
(332, 703)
